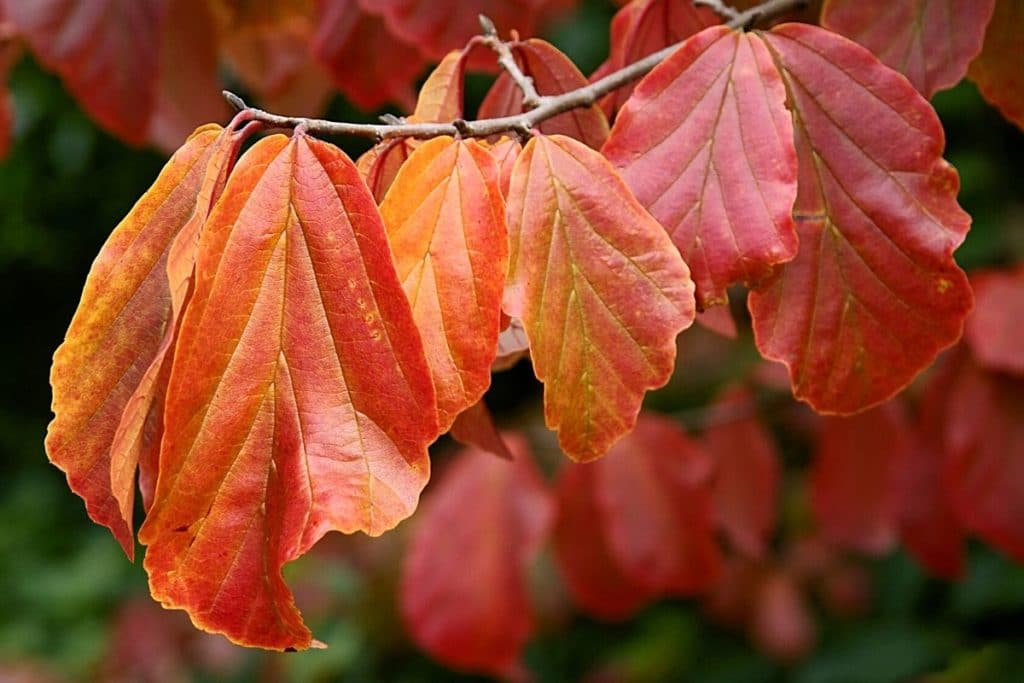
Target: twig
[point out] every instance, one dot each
(720, 8)
(507, 61)
(521, 124)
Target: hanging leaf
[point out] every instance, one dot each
(654, 492)
(300, 399)
(873, 294)
(931, 42)
(586, 561)
(599, 288)
(747, 474)
(475, 427)
(854, 478)
(369, 64)
(445, 218)
(553, 73)
(118, 329)
(105, 52)
(505, 151)
(482, 525)
(999, 70)
(993, 332)
(644, 27)
(706, 145)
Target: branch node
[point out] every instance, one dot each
(487, 26)
(462, 126)
(236, 102)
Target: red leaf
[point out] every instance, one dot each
(643, 27)
(586, 561)
(369, 64)
(719, 320)
(300, 398)
(445, 218)
(746, 482)
(475, 427)
(188, 90)
(985, 469)
(553, 73)
(464, 595)
(105, 52)
(993, 332)
(118, 330)
(874, 293)
(854, 478)
(999, 69)
(928, 525)
(706, 145)
(379, 165)
(781, 623)
(599, 287)
(931, 42)
(437, 26)
(654, 491)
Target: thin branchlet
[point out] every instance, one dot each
(519, 124)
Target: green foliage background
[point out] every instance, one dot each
(62, 579)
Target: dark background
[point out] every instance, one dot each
(65, 586)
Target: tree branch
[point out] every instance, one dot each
(507, 61)
(521, 124)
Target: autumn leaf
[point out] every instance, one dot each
(445, 218)
(513, 346)
(475, 427)
(105, 51)
(585, 560)
(553, 73)
(644, 27)
(931, 42)
(854, 478)
(874, 293)
(654, 492)
(999, 70)
(441, 96)
(117, 333)
(706, 145)
(747, 475)
(505, 151)
(366, 61)
(993, 332)
(299, 399)
(463, 594)
(600, 290)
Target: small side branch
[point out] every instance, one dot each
(520, 124)
(720, 8)
(507, 61)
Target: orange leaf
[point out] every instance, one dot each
(553, 73)
(746, 483)
(440, 98)
(446, 223)
(118, 330)
(600, 289)
(299, 399)
(379, 165)
(464, 594)
(999, 69)
(105, 52)
(874, 293)
(931, 42)
(706, 144)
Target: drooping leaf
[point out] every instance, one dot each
(706, 145)
(993, 332)
(999, 70)
(463, 593)
(873, 294)
(505, 151)
(118, 329)
(854, 478)
(445, 218)
(553, 73)
(367, 62)
(746, 480)
(931, 42)
(300, 400)
(644, 27)
(719, 320)
(654, 491)
(379, 165)
(188, 89)
(437, 26)
(928, 525)
(586, 562)
(984, 473)
(600, 290)
(105, 52)
(475, 427)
